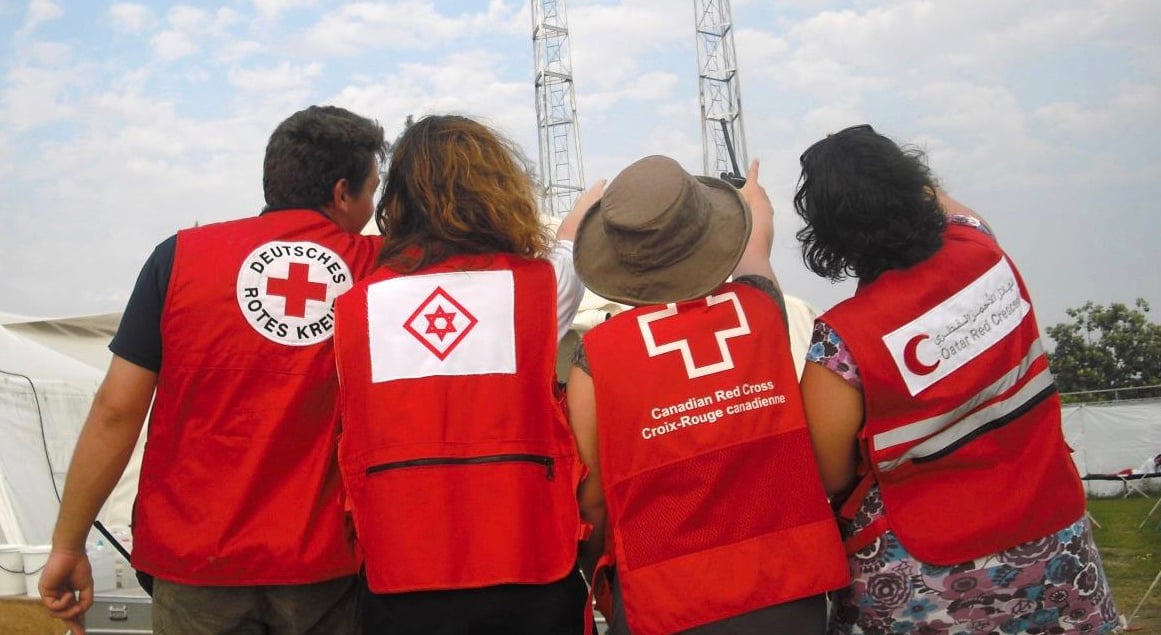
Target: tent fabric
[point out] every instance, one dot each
(84, 338)
(40, 420)
(49, 373)
(44, 397)
(1109, 437)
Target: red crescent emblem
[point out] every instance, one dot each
(912, 361)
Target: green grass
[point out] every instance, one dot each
(1131, 555)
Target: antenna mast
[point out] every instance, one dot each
(723, 137)
(561, 175)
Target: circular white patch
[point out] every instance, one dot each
(287, 291)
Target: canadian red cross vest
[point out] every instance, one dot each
(962, 428)
(714, 503)
(239, 483)
(460, 467)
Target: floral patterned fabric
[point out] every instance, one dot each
(1054, 585)
(827, 348)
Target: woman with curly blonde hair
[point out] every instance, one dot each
(459, 466)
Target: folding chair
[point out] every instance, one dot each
(1131, 485)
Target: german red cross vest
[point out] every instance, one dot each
(962, 429)
(715, 507)
(239, 484)
(459, 464)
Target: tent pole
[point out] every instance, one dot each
(1142, 602)
(1155, 506)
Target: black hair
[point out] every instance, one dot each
(869, 206)
(315, 148)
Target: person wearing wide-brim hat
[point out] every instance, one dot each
(709, 515)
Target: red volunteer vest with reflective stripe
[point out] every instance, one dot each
(460, 467)
(962, 428)
(709, 480)
(239, 483)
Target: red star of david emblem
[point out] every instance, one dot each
(444, 316)
(440, 322)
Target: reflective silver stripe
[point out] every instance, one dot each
(926, 427)
(976, 420)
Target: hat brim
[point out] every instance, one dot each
(707, 265)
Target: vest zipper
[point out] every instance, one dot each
(547, 461)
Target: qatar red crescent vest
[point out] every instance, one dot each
(459, 465)
(962, 428)
(715, 506)
(239, 483)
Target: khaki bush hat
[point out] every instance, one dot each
(661, 235)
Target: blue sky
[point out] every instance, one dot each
(121, 123)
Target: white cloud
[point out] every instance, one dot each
(237, 50)
(130, 16)
(464, 83)
(148, 148)
(36, 96)
(186, 18)
(408, 24)
(39, 12)
(173, 45)
(189, 26)
(273, 8)
(1132, 102)
(764, 51)
(281, 78)
(648, 87)
(47, 54)
(609, 40)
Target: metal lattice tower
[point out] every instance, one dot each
(719, 90)
(561, 175)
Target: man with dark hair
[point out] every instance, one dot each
(239, 514)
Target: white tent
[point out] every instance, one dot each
(49, 371)
(1110, 437)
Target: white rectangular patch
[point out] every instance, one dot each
(457, 323)
(959, 329)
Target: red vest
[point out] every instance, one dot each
(715, 507)
(239, 484)
(460, 467)
(962, 429)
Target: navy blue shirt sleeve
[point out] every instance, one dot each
(138, 337)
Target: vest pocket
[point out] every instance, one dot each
(548, 462)
(455, 522)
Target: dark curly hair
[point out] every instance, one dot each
(869, 206)
(315, 148)
(454, 186)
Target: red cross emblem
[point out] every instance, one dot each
(437, 318)
(663, 335)
(297, 288)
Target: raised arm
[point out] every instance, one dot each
(567, 228)
(756, 258)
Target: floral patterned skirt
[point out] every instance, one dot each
(1052, 586)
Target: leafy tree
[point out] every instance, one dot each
(1104, 348)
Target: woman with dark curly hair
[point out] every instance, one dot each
(933, 414)
(459, 466)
